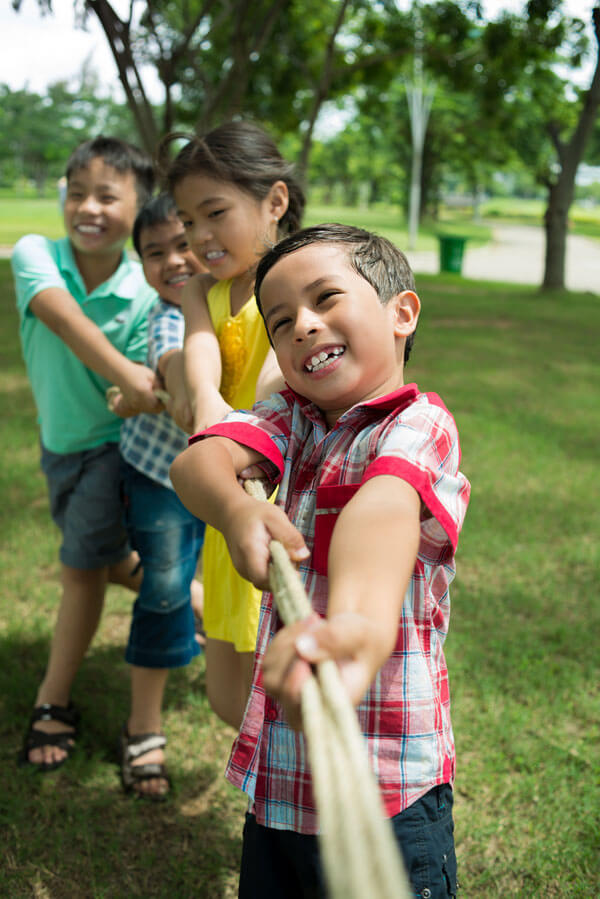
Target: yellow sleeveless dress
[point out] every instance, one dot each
(232, 604)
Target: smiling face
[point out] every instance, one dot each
(100, 208)
(167, 259)
(227, 228)
(336, 343)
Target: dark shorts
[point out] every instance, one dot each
(168, 539)
(282, 864)
(85, 503)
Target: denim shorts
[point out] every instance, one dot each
(282, 864)
(168, 539)
(85, 503)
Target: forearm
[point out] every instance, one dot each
(270, 379)
(57, 309)
(171, 369)
(371, 559)
(205, 479)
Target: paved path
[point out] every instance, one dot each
(516, 253)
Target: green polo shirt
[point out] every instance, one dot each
(70, 398)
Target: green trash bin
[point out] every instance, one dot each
(451, 252)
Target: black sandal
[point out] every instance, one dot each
(131, 748)
(36, 738)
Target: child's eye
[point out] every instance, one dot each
(215, 213)
(326, 295)
(108, 198)
(182, 246)
(281, 322)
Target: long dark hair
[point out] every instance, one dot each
(240, 153)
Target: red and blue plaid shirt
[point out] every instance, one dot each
(405, 715)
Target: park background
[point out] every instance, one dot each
(517, 365)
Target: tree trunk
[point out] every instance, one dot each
(562, 191)
(556, 223)
(117, 35)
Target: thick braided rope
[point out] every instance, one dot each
(360, 855)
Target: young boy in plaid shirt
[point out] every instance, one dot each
(370, 505)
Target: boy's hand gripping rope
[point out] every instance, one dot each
(360, 856)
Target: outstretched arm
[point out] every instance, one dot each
(60, 312)
(371, 559)
(202, 357)
(205, 477)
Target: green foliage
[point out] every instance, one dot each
(40, 131)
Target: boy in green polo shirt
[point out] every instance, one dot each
(83, 309)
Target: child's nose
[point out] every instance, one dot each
(307, 322)
(90, 204)
(198, 234)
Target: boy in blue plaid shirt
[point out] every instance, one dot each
(167, 537)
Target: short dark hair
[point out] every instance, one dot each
(374, 258)
(121, 155)
(238, 153)
(156, 211)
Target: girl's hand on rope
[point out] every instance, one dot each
(252, 526)
(351, 640)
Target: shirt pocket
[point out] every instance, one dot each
(331, 499)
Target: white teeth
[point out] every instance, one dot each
(214, 254)
(89, 229)
(322, 359)
(177, 279)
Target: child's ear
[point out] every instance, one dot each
(278, 199)
(406, 309)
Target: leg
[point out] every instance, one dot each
(128, 572)
(280, 864)
(228, 679)
(162, 634)
(78, 617)
(147, 690)
(425, 835)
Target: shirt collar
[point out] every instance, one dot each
(119, 284)
(395, 401)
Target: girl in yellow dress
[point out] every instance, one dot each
(236, 196)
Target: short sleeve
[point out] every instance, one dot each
(421, 446)
(34, 268)
(265, 428)
(166, 331)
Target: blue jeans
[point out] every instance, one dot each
(168, 539)
(282, 864)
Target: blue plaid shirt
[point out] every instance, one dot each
(150, 442)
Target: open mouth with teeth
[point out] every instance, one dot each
(323, 359)
(88, 229)
(213, 255)
(175, 280)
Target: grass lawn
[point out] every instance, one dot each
(43, 216)
(520, 372)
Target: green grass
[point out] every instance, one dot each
(519, 371)
(582, 220)
(43, 216)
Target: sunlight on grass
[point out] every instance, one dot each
(519, 370)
